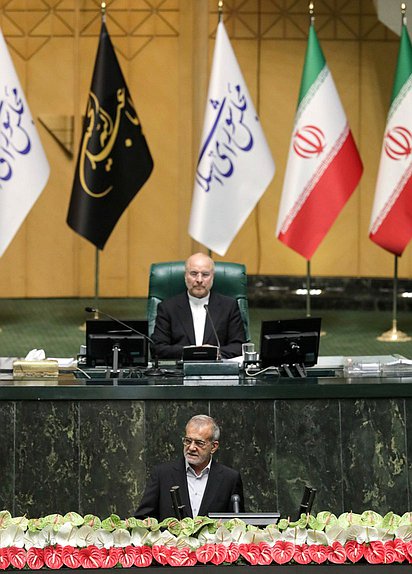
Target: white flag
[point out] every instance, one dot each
(24, 169)
(235, 164)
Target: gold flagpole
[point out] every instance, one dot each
(220, 10)
(394, 335)
(97, 255)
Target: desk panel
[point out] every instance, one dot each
(67, 445)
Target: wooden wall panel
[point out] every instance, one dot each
(165, 52)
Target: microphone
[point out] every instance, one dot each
(130, 329)
(176, 502)
(206, 307)
(235, 500)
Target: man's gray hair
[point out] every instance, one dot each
(203, 420)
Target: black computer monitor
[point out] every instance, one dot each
(103, 334)
(290, 342)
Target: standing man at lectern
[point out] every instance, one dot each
(198, 316)
(204, 484)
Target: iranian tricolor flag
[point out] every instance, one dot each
(391, 221)
(324, 166)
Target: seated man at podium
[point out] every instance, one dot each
(199, 316)
(204, 484)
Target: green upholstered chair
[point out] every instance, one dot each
(167, 279)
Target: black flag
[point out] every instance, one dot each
(114, 160)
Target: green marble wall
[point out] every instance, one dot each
(94, 456)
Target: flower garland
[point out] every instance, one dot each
(74, 541)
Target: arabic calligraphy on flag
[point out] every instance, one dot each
(114, 160)
(24, 169)
(235, 164)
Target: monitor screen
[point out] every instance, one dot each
(103, 334)
(290, 342)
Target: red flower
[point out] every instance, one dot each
(205, 553)
(283, 552)
(17, 557)
(127, 555)
(187, 557)
(173, 558)
(398, 547)
(375, 552)
(250, 552)
(160, 553)
(354, 550)
(143, 556)
(390, 554)
(232, 553)
(70, 557)
(53, 557)
(4, 559)
(265, 556)
(318, 553)
(219, 555)
(407, 547)
(336, 553)
(301, 555)
(109, 557)
(35, 558)
(183, 557)
(89, 557)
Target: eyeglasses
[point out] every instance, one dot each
(199, 443)
(204, 275)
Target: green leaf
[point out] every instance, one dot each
(73, 518)
(406, 519)
(112, 522)
(21, 521)
(371, 518)
(150, 523)
(283, 524)
(188, 526)
(5, 518)
(93, 521)
(391, 521)
(327, 519)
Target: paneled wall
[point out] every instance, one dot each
(93, 456)
(165, 48)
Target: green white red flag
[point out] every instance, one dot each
(324, 166)
(391, 220)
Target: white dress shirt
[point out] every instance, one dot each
(196, 484)
(199, 316)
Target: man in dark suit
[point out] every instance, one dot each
(204, 484)
(182, 320)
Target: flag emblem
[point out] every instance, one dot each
(309, 141)
(398, 143)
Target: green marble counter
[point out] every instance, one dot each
(67, 387)
(72, 445)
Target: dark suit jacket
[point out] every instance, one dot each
(222, 483)
(174, 326)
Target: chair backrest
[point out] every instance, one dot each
(167, 279)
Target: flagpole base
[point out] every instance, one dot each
(394, 336)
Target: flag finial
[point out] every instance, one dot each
(103, 9)
(403, 13)
(312, 12)
(220, 9)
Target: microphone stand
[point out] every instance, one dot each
(152, 371)
(206, 308)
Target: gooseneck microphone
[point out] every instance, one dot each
(206, 307)
(130, 328)
(235, 500)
